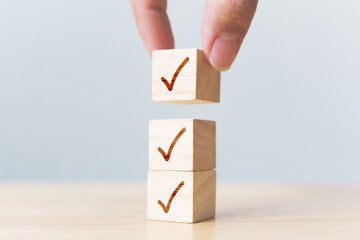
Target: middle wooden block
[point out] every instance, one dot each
(182, 144)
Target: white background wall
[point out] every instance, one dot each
(75, 92)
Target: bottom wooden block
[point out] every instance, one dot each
(181, 196)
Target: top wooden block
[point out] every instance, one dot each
(184, 76)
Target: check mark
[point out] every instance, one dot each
(166, 156)
(171, 85)
(166, 209)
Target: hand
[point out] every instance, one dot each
(224, 27)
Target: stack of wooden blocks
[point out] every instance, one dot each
(182, 152)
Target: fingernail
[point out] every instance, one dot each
(223, 51)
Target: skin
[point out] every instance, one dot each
(224, 27)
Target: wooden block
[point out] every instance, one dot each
(184, 76)
(181, 196)
(182, 144)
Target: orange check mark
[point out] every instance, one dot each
(167, 155)
(171, 85)
(166, 209)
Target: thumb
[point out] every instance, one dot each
(224, 27)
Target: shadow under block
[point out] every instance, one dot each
(196, 81)
(182, 144)
(194, 200)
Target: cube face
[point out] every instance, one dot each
(204, 145)
(184, 76)
(193, 201)
(182, 144)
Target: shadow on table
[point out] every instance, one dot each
(157, 230)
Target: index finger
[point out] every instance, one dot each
(153, 24)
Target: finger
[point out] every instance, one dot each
(153, 24)
(224, 27)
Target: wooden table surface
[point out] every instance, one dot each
(118, 211)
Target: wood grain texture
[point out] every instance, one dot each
(113, 211)
(194, 150)
(193, 202)
(196, 82)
